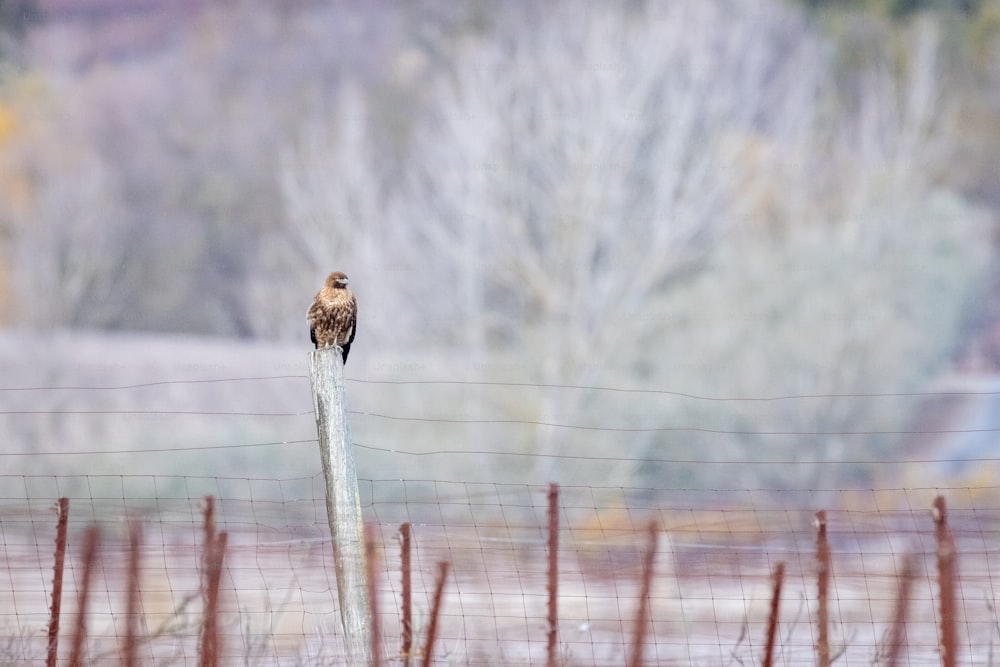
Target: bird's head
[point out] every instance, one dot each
(337, 279)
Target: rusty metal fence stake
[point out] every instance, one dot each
(553, 575)
(948, 643)
(370, 567)
(407, 594)
(435, 613)
(129, 658)
(642, 613)
(91, 543)
(57, 581)
(772, 620)
(897, 633)
(822, 592)
(213, 557)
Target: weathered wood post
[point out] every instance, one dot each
(343, 501)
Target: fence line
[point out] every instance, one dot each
(216, 427)
(495, 572)
(708, 597)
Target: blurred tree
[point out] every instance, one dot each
(573, 168)
(587, 181)
(17, 15)
(71, 261)
(854, 301)
(558, 210)
(15, 18)
(182, 174)
(575, 193)
(899, 8)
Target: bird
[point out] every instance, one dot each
(333, 315)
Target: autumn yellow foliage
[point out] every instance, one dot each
(7, 123)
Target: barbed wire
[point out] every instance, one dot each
(514, 422)
(681, 394)
(479, 451)
(654, 459)
(522, 385)
(499, 452)
(667, 429)
(156, 383)
(196, 413)
(153, 450)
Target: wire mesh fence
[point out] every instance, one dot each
(637, 576)
(669, 557)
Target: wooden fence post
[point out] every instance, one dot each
(343, 501)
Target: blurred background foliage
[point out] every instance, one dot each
(726, 199)
(899, 9)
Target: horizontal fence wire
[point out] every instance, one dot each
(709, 597)
(84, 405)
(520, 385)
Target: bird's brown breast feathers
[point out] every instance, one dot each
(332, 316)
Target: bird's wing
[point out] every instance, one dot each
(313, 316)
(354, 320)
(313, 311)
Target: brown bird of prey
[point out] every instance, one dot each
(333, 314)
